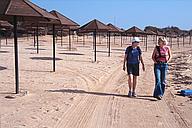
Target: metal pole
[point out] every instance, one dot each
(95, 41)
(27, 36)
(77, 38)
(146, 44)
(114, 38)
(107, 36)
(169, 40)
(6, 38)
(37, 39)
(61, 37)
(69, 39)
(34, 39)
(0, 41)
(121, 40)
(83, 39)
(16, 55)
(109, 43)
(53, 48)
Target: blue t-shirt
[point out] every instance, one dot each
(133, 55)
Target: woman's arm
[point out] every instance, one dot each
(153, 55)
(170, 55)
(124, 61)
(142, 62)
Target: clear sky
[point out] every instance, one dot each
(125, 13)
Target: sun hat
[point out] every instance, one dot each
(136, 39)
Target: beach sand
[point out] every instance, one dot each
(86, 94)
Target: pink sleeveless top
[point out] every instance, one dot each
(164, 54)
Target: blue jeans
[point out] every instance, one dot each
(160, 70)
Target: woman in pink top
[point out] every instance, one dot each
(161, 56)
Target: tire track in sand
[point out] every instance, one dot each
(89, 81)
(81, 114)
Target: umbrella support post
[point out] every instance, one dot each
(53, 48)
(34, 42)
(69, 40)
(16, 55)
(121, 40)
(61, 37)
(37, 40)
(6, 38)
(83, 40)
(146, 45)
(109, 44)
(0, 41)
(95, 42)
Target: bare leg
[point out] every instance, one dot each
(129, 82)
(134, 83)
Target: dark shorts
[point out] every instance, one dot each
(133, 69)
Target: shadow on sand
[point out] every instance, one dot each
(72, 54)
(7, 93)
(142, 97)
(2, 68)
(34, 49)
(4, 52)
(44, 58)
(24, 70)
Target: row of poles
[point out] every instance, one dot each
(145, 39)
(36, 40)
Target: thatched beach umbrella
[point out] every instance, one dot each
(65, 23)
(94, 26)
(116, 30)
(135, 31)
(151, 33)
(22, 10)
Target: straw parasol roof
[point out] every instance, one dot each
(24, 10)
(135, 31)
(114, 28)
(94, 25)
(150, 32)
(158, 33)
(64, 21)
